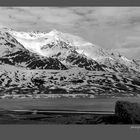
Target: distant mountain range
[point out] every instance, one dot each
(57, 62)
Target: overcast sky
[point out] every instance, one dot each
(109, 27)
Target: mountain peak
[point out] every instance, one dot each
(54, 32)
(55, 42)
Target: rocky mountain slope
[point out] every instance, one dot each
(56, 62)
(15, 80)
(63, 45)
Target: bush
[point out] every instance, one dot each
(128, 112)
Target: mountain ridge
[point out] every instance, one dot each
(63, 44)
(61, 61)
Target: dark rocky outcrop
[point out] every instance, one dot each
(83, 62)
(32, 61)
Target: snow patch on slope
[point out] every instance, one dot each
(51, 44)
(34, 41)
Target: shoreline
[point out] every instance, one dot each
(39, 96)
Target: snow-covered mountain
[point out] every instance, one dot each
(16, 80)
(61, 62)
(8, 44)
(14, 53)
(63, 46)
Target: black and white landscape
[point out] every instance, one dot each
(61, 78)
(36, 63)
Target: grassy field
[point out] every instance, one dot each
(77, 104)
(8, 116)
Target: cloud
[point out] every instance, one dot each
(131, 45)
(131, 42)
(108, 27)
(75, 16)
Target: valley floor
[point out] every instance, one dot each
(13, 117)
(60, 110)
